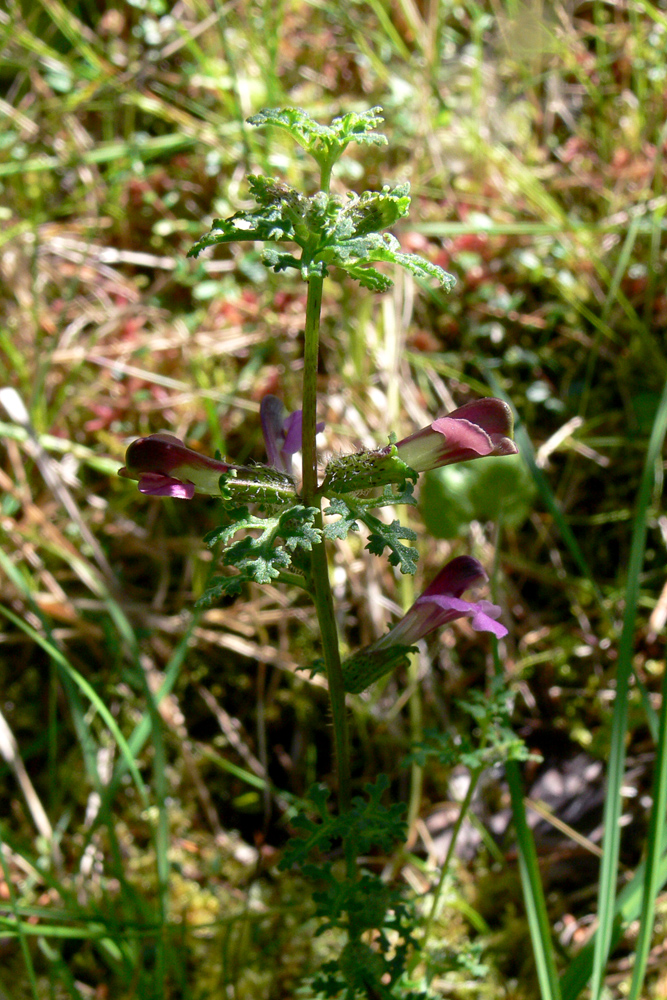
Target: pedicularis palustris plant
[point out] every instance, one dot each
(282, 528)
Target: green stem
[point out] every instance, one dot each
(327, 620)
(322, 596)
(407, 585)
(326, 166)
(309, 402)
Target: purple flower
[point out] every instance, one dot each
(166, 468)
(483, 427)
(282, 432)
(441, 603)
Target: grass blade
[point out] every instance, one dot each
(18, 923)
(63, 663)
(533, 892)
(656, 833)
(613, 799)
(626, 909)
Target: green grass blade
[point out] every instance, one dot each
(624, 261)
(613, 799)
(112, 152)
(627, 909)
(531, 882)
(143, 728)
(63, 663)
(68, 23)
(20, 926)
(161, 837)
(656, 835)
(533, 892)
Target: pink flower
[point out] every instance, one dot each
(166, 468)
(441, 603)
(483, 427)
(282, 432)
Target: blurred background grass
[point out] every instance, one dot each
(153, 754)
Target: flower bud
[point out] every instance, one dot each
(165, 467)
(476, 430)
(483, 427)
(439, 604)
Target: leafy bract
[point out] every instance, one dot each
(260, 558)
(388, 536)
(262, 225)
(326, 143)
(356, 254)
(382, 536)
(328, 231)
(371, 212)
(346, 523)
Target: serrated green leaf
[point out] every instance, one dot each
(340, 529)
(220, 586)
(356, 900)
(423, 268)
(268, 191)
(279, 260)
(257, 558)
(497, 744)
(354, 254)
(388, 537)
(372, 212)
(369, 278)
(305, 217)
(240, 517)
(353, 509)
(325, 143)
(297, 527)
(346, 523)
(304, 129)
(382, 536)
(265, 224)
(360, 249)
(262, 559)
(391, 499)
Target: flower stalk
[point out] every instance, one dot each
(309, 400)
(323, 597)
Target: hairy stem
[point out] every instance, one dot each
(309, 402)
(322, 595)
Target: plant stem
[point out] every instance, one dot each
(407, 589)
(309, 401)
(325, 615)
(322, 595)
